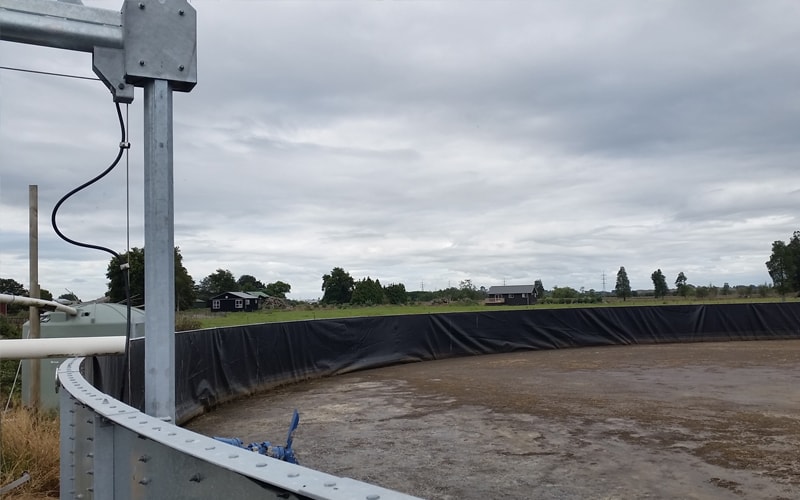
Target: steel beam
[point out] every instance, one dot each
(60, 25)
(159, 260)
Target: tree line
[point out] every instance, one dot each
(186, 290)
(339, 287)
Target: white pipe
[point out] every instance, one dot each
(61, 348)
(44, 304)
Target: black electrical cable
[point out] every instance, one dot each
(123, 146)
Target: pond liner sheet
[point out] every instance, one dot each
(217, 365)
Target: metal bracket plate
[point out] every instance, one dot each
(108, 64)
(160, 40)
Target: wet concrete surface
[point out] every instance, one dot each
(696, 421)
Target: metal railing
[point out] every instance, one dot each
(110, 450)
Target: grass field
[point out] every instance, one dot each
(209, 320)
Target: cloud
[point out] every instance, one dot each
(432, 142)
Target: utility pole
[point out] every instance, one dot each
(34, 331)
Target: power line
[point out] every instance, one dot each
(49, 73)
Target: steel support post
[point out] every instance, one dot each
(159, 278)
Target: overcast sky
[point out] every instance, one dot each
(432, 142)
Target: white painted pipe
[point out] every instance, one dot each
(44, 304)
(61, 348)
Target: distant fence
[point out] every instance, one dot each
(116, 450)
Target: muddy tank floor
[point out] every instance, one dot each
(698, 421)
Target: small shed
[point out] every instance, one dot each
(261, 296)
(233, 302)
(511, 295)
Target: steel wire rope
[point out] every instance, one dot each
(126, 364)
(48, 73)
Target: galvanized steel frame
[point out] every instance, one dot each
(151, 44)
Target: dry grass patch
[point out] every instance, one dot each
(29, 442)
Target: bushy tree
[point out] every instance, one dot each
(468, 291)
(278, 289)
(184, 284)
(367, 292)
(420, 295)
(70, 297)
(12, 287)
(395, 293)
(248, 283)
(659, 284)
(564, 292)
(784, 265)
(220, 281)
(116, 277)
(538, 289)
(337, 287)
(623, 287)
(680, 285)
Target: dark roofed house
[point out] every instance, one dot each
(233, 301)
(511, 295)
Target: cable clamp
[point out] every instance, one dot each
(124, 145)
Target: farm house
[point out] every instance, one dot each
(233, 302)
(511, 295)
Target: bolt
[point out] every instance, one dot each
(196, 478)
(261, 464)
(141, 5)
(293, 474)
(180, 12)
(144, 480)
(144, 458)
(330, 484)
(180, 68)
(373, 497)
(119, 86)
(141, 62)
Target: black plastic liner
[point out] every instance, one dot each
(218, 365)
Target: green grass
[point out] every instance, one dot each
(209, 320)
